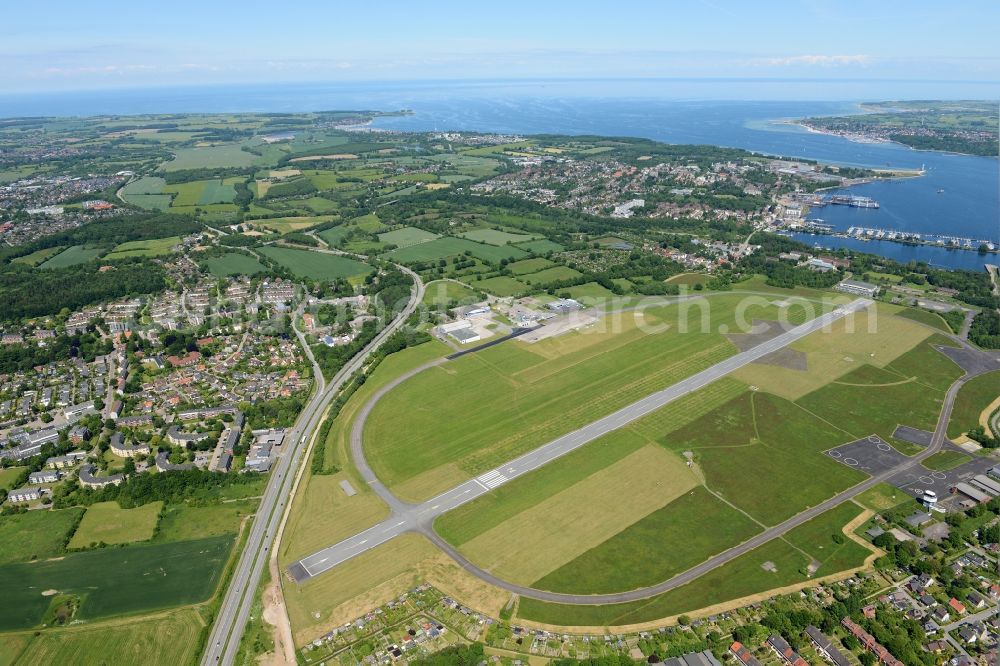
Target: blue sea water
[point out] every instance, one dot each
(959, 195)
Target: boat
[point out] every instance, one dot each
(940, 191)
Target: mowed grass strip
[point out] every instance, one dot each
(106, 522)
(317, 265)
(36, 534)
(167, 639)
(564, 526)
(115, 581)
(945, 460)
(666, 542)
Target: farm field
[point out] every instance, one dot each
(210, 157)
(106, 522)
(283, 225)
(167, 639)
(144, 248)
(442, 292)
(526, 266)
(449, 246)
(501, 286)
(497, 237)
(317, 265)
(233, 263)
(556, 274)
(76, 254)
(407, 236)
(542, 246)
(38, 256)
(590, 293)
(115, 581)
(36, 534)
(976, 395)
(742, 577)
(485, 408)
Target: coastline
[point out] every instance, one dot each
(864, 140)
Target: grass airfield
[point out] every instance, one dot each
(628, 510)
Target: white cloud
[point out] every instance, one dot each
(817, 60)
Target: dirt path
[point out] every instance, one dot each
(984, 416)
(276, 616)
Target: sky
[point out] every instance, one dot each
(71, 45)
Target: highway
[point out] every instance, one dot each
(420, 517)
(231, 619)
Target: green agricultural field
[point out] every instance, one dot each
(491, 406)
(222, 190)
(35, 534)
(160, 202)
(589, 293)
(501, 286)
(284, 225)
(541, 246)
(106, 522)
(317, 265)
(407, 236)
(144, 248)
(526, 266)
(148, 193)
(443, 292)
(144, 185)
(166, 640)
(38, 256)
(76, 254)
(210, 157)
(233, 263)
(556, 274)
(976, 395)
(449, 246)
(115, 581)
(496, 237)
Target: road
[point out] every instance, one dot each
(231, 619)
(406, 517)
